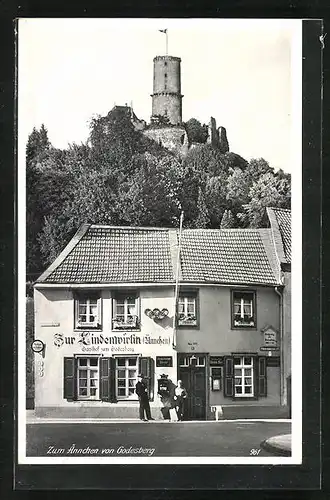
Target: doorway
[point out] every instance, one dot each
(192, 372)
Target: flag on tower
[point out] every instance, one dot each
(165, 31)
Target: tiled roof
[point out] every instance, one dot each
(109, 254)
(280, 220)
(103, 254)
(227, 256)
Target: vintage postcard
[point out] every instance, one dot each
(159, 193)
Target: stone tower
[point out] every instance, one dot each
(166, 97)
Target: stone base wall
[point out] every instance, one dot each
(174, 139)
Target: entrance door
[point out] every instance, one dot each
(191, 371)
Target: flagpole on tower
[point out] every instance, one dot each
(165, 31)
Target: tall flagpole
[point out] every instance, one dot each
(177, 283)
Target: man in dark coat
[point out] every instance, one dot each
(142, 392)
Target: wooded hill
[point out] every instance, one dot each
(120, 177)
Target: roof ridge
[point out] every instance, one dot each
(144, 228)
(158, 228)
(226, 229)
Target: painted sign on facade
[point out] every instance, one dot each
(94, 342)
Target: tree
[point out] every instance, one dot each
(267, 191)
(203, 218)
(152, 196)
(37, 150)
(234, 160)
(114, 141)
(196, 131)
(228, 220)
(122, 177)
(206, 160)
(258, 167)
(38, 143)
(215, 198)
(238, 187)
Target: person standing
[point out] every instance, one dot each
(180, 395)
(142, 392)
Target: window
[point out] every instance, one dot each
(216, 377)
(88, 310)
(165, 75)
(88, 378)
(187, 310)
(111, 379)
(192, 359)
(125, 312)
(184, 360)
(243, 376)
(243, 309)
(126, 377)
(200, 361)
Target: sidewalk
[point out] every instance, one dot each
(279, 445)
(32, 419)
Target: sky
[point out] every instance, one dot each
(241, 72)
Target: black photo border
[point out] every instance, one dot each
(173, 477)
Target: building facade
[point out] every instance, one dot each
(280, 223)
(106, 310)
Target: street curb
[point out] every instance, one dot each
(36, 420)
(275, 449)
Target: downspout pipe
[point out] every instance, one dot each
(176, 291)
(279, 291)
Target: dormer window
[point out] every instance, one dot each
(88, 310)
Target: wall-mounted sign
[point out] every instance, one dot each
(216, 360)
(37, 346)
(157, 313)
(270, 337)
(50, 324)
(164, 361)
(269, 348)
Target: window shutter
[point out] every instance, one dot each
(229, 377)
(105, 379)
(108, 379)
(262, 377)
(147, 368)
(69, 379)
(112, 378)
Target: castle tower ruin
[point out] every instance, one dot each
(166, 97)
